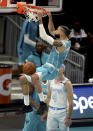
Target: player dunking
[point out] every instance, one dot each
(50, 69)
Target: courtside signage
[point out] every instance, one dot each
(83, 101)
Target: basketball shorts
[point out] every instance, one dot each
(56, 119)
(48, 72)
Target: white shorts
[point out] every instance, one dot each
(56, 119)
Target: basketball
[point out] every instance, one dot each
(29, 68)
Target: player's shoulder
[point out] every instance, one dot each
(67, 43)
(68, 85)
(67, 81)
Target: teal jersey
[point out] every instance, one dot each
(44, 57)
(37, 59)
(33, 121)
(55, 58)
(23, 49)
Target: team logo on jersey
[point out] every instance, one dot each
(54, 97)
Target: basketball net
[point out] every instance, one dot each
(30, 11)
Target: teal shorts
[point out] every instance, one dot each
(35, 123)
(48, 72)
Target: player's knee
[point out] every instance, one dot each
(31, 89)
(25, 89)
(35, 78)
(22, 79)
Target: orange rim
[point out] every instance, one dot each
(23, 8)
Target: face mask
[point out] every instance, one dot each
(57, 36)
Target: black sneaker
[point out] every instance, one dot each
(27, 109)
(42, 108)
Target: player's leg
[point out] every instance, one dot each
(61, 118)
(26, 88)
(35, 79)
(42, 74)
(52, 123)
(35, 123)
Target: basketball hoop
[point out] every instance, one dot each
(30, 11)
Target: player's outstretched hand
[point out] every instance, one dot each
(49, 14)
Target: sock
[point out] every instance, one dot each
(26, 100)
(41, 96)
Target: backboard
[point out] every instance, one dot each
(9, 6)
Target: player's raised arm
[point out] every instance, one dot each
(42, 31)
(51, 27)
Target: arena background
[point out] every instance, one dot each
(11, 118)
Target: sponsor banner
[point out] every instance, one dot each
(83, 101)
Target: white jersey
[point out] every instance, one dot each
(58, 94)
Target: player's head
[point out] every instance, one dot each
(62, 69)
(63, 66)
(39, 47)
(62, 32)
